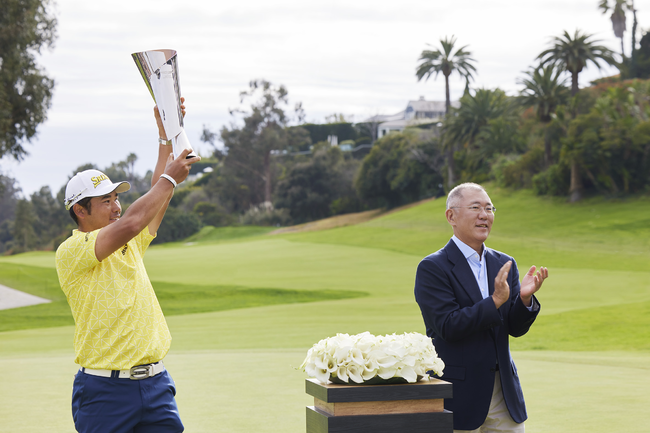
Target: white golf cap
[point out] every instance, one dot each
(91, 183)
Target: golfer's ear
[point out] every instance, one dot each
(79, 210)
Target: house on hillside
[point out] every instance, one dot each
(417, 113)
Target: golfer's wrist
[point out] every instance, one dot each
(169, 179)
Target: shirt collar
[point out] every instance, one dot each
(467, 251)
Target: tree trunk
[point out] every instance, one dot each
(548, 152)
(447, 97)
(267, 177)
(574, 83)
(622, 49)
(575, 190)
(633, 52)
(451, 175)
(451, 171)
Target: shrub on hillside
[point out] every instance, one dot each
(177, 225)
(519, 172)
(399, 169)
(554, 181)
(265, 214)
(310, 188)
(210, 215)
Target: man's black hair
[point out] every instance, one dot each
(84, 203)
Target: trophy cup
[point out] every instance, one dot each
(159, 69)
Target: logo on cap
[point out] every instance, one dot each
(98, 179)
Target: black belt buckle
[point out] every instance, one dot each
(141, 372)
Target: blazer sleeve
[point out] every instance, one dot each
(520, 318)
(447, 309)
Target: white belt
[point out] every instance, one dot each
(134, 373)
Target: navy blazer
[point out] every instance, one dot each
(470, 334)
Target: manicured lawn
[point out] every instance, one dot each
(244, 306)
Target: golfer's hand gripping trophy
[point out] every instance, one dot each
(159, 69)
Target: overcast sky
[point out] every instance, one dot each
(354, 57)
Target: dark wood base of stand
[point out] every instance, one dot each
(436, 422)
(412, 408)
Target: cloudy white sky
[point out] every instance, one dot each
(355, 57)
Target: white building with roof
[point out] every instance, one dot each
(418, 112)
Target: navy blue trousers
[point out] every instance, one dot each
(111, 405)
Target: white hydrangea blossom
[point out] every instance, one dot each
(359, 358)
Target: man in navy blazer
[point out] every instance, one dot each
(471, 301)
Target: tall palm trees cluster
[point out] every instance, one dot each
(473, 133)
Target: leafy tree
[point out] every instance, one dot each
(607, 149)
(247, 175)
(125, 170)
(8, 201)
(24, 234)
(129, 163)
(545, 91)
(624, 129)
(393, 173)
(446, 60)
(320, 132)
(26, 26)
(8, 197)
(50, 218)
(572, 53)
(310, 188)
(473, 129)
(177, 225)
(643, 57)
(211, 215)
(265, 214)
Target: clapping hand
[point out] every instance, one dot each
(501, 287)
(531, 283)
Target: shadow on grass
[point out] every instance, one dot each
(178, 299)
(175, 299)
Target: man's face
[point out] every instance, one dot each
(104, 210)
(470, 226)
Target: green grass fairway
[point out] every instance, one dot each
(244, 307)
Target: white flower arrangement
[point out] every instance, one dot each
(363, 357)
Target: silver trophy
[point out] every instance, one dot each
(159, 69)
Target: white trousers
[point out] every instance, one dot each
(498, 419)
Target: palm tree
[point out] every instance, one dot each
(618, 9)
(474, 115)
(446, 60)
(573, 54)
(544, 90)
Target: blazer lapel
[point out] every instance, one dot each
(463, 272)
(493, 267)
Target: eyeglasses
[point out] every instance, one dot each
(477, 209)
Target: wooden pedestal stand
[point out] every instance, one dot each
(413, 408)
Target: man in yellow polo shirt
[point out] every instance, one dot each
(121, 335)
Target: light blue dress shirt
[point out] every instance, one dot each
(479, 268)
(476, 263)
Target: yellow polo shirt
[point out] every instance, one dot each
(118, 320)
